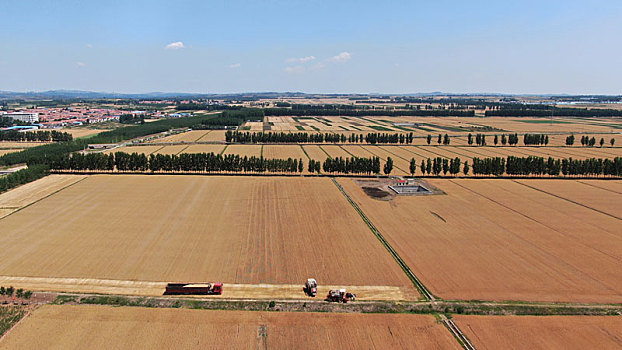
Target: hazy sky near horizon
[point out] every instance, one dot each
(317, 46)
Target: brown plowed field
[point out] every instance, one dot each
(276, 230)
(500, 240)
(104, 327)
(542, 332)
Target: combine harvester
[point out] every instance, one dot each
(311, 287)
(340, 296)
(193, 289)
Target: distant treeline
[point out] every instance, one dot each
(45, 154)
(228, 119)
(205, 107)
(367, 112)
(541, 111)
(303, 137)
(53, 135)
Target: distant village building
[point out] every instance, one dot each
(24, 117)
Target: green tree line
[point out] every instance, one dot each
(303, 137)
(195, 162)
(23, 176)
(39, 135)
(45, 154)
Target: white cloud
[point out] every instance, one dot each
(90, 46)
(294, 69)
(235, 65)
(81, 64)
(341, 58)
(300, 59)
(175, 45)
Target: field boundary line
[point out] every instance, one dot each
(157, 150)
(182, 150)
(398, 156)
(323, 150)
(44, 197)
(385, 159)
(305, 152)
(601, 188)
(348, 152)
(418, 284)
(202, 136)
(222, 151)
(568, 200)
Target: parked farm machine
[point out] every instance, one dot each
(193, 288)
(311, 287)
(340, 296)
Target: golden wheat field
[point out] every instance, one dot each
(421, 126)
(542, 240)
(542, 332)
(104, 327)
(277, 230)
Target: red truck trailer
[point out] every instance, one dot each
(193, 288)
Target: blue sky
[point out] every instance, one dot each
(312, 46)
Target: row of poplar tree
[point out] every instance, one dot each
(303, 137)
(32, 136)
(210, 162)
(589, 142)
(195, 162)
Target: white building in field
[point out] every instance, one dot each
(24, 117)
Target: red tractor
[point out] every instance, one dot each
(193, 288)
(340, 296)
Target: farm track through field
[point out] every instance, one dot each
(233, 290)
(420, 286)
(457, 333)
